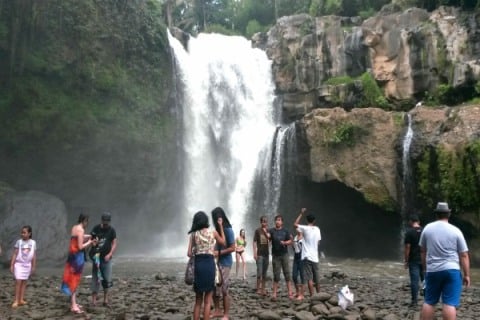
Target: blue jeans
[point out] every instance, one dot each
(298, 271)
(416, 276)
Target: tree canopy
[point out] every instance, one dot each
(246, 17)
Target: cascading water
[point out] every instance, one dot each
(407, 175)
(274, 172)
(228, 120)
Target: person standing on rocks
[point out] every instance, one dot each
(413, 261)
(297, 268)
(202, 246)
(281, 238)
(72, 272)
(23, 264)
(225, 262)
(261, 254)
(311, 242)
(240, 246)
(101, 255)
(444, 253)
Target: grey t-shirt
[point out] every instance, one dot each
(443, 242)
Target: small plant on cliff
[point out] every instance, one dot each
(344, 134)
(372, 94)
(335, 81)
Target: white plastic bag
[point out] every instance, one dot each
(345, 297)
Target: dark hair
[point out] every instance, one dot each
(200, 221)
(82, 217)
(278, 216)
(310, 218)
(29, 229)
(414, 218)
(219, 213)
(263, 218)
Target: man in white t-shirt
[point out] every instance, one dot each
(444, 253)
(311, 241)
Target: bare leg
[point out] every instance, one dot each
(94, 298)
(428, 312)
(244, 266)
(275, 288)
(237, 261)
(310, 287)
(289, 288)
(216, 306)
(22, 291)
(449, 312)
(300, 295)
(18, 285)
(197, 306)
(207, 302)
(226, 306)
(105, 296)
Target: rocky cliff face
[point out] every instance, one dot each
(319, 67)
(408, 53)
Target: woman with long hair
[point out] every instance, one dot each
(240, 245)
(201, 245)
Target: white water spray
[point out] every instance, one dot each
(407, 175)
(228, 120)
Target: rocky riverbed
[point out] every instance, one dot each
(154, 289)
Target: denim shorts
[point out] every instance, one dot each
(105, 273)
(446, 283)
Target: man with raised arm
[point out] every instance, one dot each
(311, 242)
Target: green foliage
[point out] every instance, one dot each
(335, 81)
(332, 7)
(87, 68)
(253, 27)
(372, 94)
(452, 175)
(345, 134)
(315, 8)
(218, 28)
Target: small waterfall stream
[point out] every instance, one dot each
(407, 174)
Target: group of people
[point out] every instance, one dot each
(306, 259)
(99, 245)
(436, 257)
(212, 250)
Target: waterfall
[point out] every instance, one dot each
(228, 122)
(407, 175)
(276, 168)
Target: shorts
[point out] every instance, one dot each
(280, 263)
(223, 289)
(106, 276)
(311, 271)
(262, 267)
(447, 283)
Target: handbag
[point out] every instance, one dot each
(190, 271)
(218, 274)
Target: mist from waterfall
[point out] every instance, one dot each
(407, 174)
(228, 122)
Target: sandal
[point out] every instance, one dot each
(15, 305)
(22, 303)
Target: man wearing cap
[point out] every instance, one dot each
(413, 260)
(444, 253)
(102, 255)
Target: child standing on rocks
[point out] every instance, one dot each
(23, 264)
